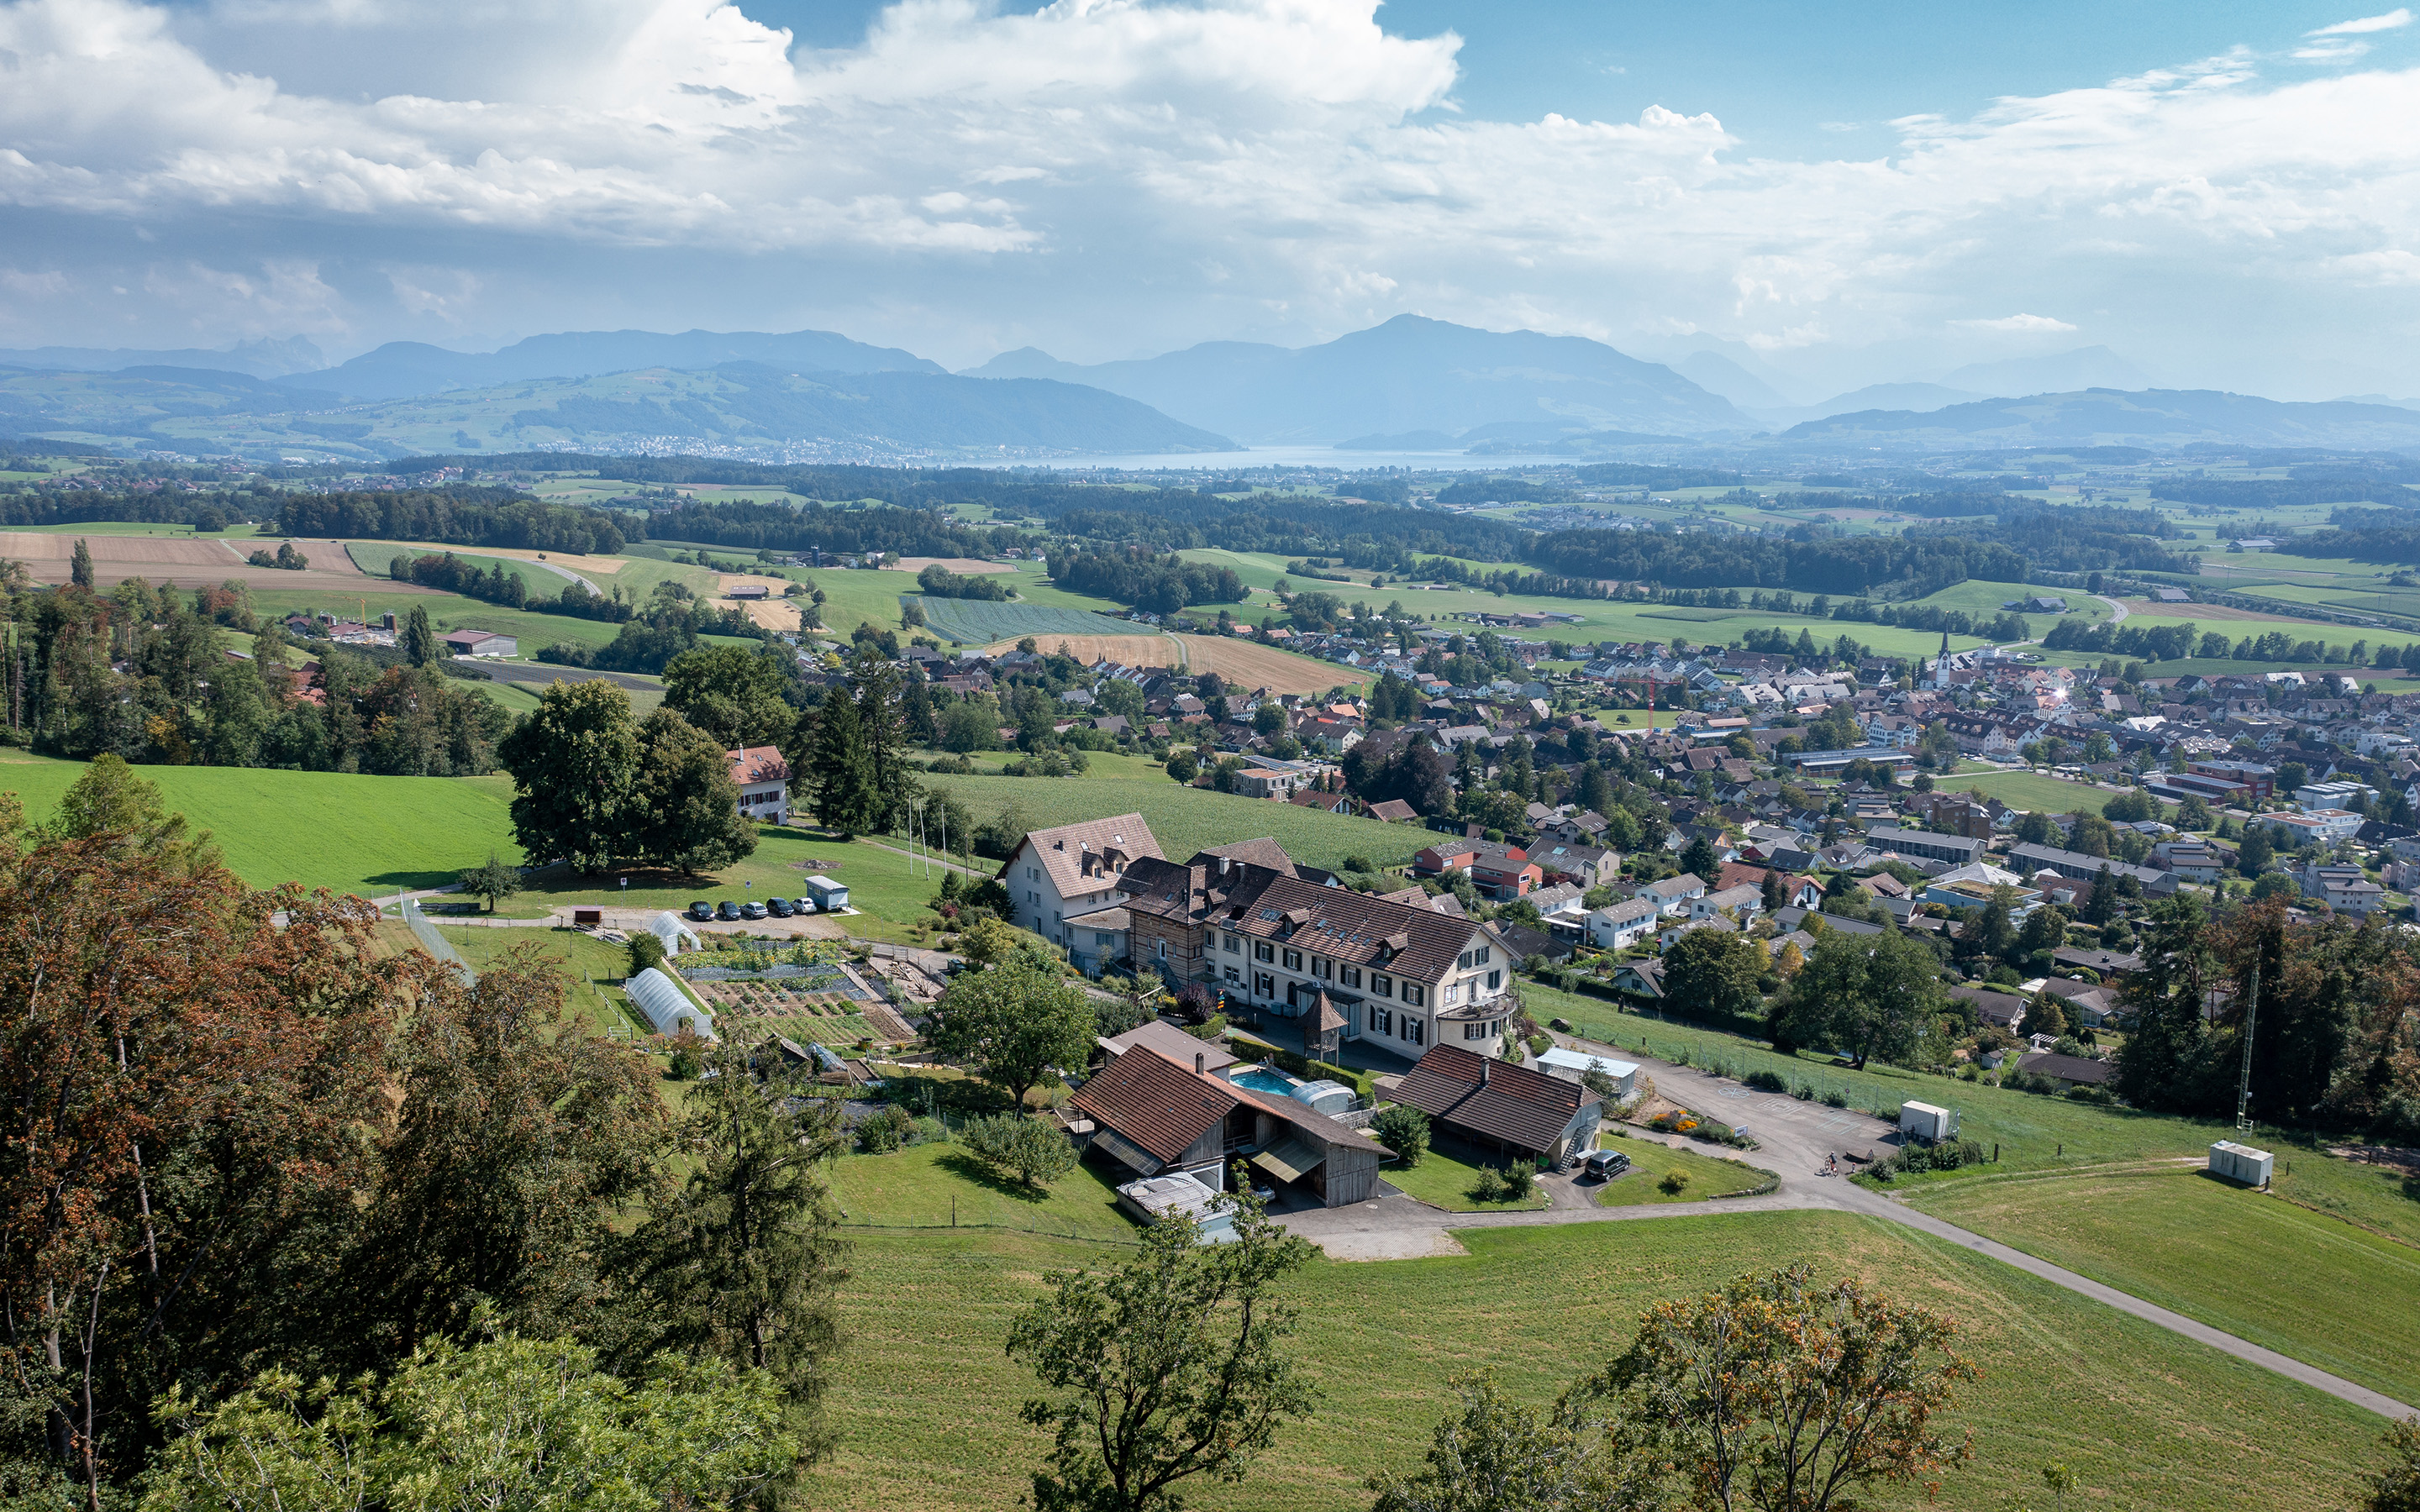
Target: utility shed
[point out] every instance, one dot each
(1155, 1199)
(2240, 1163)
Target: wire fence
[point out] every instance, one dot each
(436, 944)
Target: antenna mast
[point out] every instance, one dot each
(2244, 1082)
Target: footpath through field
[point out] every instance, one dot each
(1795, 1138)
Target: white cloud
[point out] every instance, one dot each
(2394, 20)
(1074, 171)
(2018, 324)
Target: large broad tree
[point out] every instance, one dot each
(509, 1422)
(1786, 1397)
(1712, 973)
(742, 1263)
(1171, 1368)
(1494, 1455)
(1876, 997)
(688, 806)
(1012, 1024)
(733, 694)
(575, 765)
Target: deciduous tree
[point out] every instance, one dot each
(1171, 1368)
(495, 882)
(1712, 973)
(686, 806)
(1875, 996)
(1012, 1024)
(1494, 1455)
(575, 765)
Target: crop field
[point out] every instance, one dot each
(971, 622)
(1185, 819)
(365, 835)
(925, 1399)
(2307, 1285)
(174, 561)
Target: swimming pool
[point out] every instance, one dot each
(1262, 1079)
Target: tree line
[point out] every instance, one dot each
(454, 517)
(1159, 584)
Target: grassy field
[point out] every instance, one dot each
(1708, 1176)
(878, 880)
(1443, 1178)
(589, 966)
(941, 1186)
(1184, 819)
(926, 1400)
(323, 830)
(2321, 1290)
(2035, 791)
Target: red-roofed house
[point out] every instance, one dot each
(764, 780)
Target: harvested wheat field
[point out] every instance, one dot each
(1248, 663)
(963, 566)
(179, 562)
(774, 613)
(2207, 612)
(567, 561)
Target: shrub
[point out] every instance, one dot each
(1520, 1180)
(1835, 1099)
(1674, 1182)
(1488, 1186)
(884, 1131)
(645, 951)
(1767, 1081)
(1540, 1044)
(1804, 1092)
(684, 1065)
(1559, 1026)
(1027, 1149)
(1713, 1132)
(1404, 1130)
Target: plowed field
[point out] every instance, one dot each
(183, 562)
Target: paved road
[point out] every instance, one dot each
(1794, 1139)
(2117, 612)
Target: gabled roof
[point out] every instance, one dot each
(1493, 1098)
(757, 763)
(1082, 857)
(1352, 927)
(1154, 1104)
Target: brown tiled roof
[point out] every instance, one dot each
(1514, 1104)
(1325, 1017)
(1153, 1102)
(1263, 852)
(1077, 854)
(1353, 927)
(758, 764)
(1190, 891)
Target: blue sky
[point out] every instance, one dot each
(2225, 195)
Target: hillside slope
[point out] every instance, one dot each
(402, 369)
(2101, 417)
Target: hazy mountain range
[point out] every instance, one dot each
(1411, 384)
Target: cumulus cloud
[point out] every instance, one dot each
(1159, 170)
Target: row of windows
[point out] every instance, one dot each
(1380, 983)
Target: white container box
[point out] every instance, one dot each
(2240, 1163)
(1927, 1122)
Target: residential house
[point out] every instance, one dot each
(2343, 888)
(1072, 871)
(763, 780)
(1156, 1116)
(1498, 1105)
(1640, 979)
(1621, 925)
(1957, 849)
(1740, 903)
(1673, 894)
(1992, 1005)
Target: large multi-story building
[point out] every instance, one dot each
(1070, 873)
(1401, 977)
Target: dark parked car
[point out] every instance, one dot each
(727, 911)
(778, 907)
(1605, 1164)
(701, 911)
(751, 910)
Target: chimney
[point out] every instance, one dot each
(1200, 1062)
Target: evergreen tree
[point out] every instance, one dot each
(2102, 905)
(839, 782)
(1698, 859)
(881, 731)
(80, 566)
(420, 643)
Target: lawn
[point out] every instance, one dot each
(325, 829)
(1185, 819)
(925, 1399)
(1708, 1175)
(881, 885)
(2038, 792)
(2321, 1290)
(2031, 1133)
(1443, 1180)
(587, 965)
(941, 1186)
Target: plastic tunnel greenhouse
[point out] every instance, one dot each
(674, 935)
(667, 1006)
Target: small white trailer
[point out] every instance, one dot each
(2240, 1163)
(1922, 1120)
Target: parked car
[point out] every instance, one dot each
(802, 906)
(1605, 1164)
(701, 910)
(778, 907)
(727, 911)
(751, 909)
